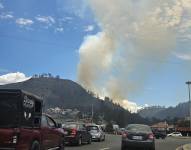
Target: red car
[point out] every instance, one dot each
(23, 126)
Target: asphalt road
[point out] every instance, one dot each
(114, 143)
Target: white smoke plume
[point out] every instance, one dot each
(136, 36)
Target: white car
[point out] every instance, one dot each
(175, 134)
(96, 132)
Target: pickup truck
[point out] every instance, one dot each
(23, 126)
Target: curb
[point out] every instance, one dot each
(187, 147)
(181, 137)
(184, 147)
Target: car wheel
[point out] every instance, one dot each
(104, 138)
(79, 141)
(61, 147)
(35, 145)
(90, 140)
(123, 147)
(153, 148)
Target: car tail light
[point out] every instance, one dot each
(74, 131)
(151, 136)
(15, 136)
(124, 135)
(15, 139)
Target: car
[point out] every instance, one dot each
(96, 132)
(23, 126)
(174, 134)
(76, 133)
(138, 136)
(120, 131)
(160, 134)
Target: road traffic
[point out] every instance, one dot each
(113, 142)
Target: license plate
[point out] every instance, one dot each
(137, 137)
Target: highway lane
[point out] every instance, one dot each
(171, 143)
(114, 143)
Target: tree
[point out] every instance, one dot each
(49, 75)
(109, 128)
(57, 77)
(35, 76)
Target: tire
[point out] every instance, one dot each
(152, 148)
(104, 138)
(79, 142)
(90, 140)
(123, 147)
(35, 145)
(61, 146)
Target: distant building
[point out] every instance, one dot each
(160, 126)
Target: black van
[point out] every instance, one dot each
(19, 108)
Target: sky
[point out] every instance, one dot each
(55, 36)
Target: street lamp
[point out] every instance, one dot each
(189, 83)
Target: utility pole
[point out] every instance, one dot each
(189, 83)
(92, 112)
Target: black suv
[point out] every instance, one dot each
(159, 134)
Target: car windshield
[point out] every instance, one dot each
(138, 128)
(93, 128)
(8, 111)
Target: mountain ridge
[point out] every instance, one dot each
(68, 94)
(179, 111)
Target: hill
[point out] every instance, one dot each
(70, 95)
(180, 111)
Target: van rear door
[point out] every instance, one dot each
(9, 118)
(9, 110)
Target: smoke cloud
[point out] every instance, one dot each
(136, 36)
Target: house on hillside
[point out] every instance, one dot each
(161, 126)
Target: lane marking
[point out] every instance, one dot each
(105, 148)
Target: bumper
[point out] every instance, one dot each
(5, 148)
(95, 138)
(138, 144)
(70, 140)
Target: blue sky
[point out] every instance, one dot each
(45, 36)
(41, 46)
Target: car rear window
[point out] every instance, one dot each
(70, 126)
(138, 128)
(92, 128)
